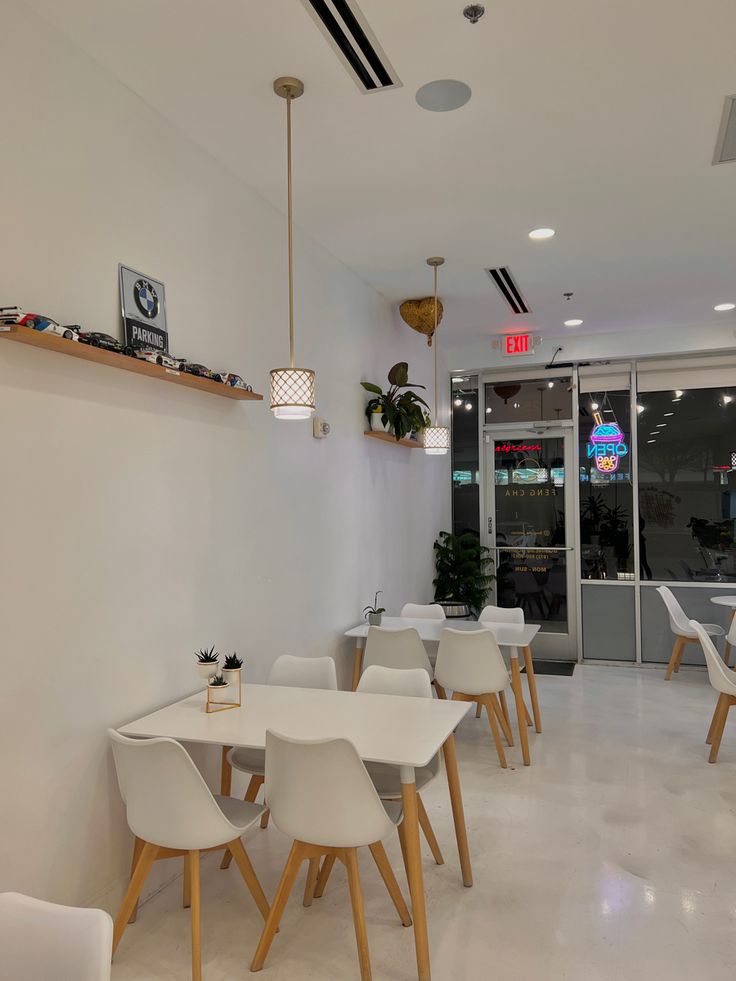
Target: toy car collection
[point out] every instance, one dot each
(159, 357)
(200, 371)
(97, 339)
(38, 321)
(235, 381)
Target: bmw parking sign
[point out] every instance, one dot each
(143, 303)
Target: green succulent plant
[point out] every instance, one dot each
(208, 656)
(375, 609)
(401, 409)
(218, 682)
(232, 662)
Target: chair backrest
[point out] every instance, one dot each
(319, 791)
(470, 661)
(678, 619)
(41, 941)
(723, 679)
(421, 611)
(395, 648)
(167, 801)
(731, 635)
(501, 614)
(303, 672)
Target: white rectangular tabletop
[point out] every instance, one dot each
(506, 634)
(391, 729)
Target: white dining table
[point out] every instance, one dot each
(511, 636)
(403, 732)
(730, 602)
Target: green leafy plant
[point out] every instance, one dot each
(462, 564)
(375, 609)
(401, 409)
(208, 656)
(232, 662)
(218, 681)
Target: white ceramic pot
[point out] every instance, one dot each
(208, 671)
(218, 687)
(374, 619)
(376, 425)
(232, 676)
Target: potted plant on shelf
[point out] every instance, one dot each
(217, 682)
(231, 669)
(399, 411)
(207, 662)
(374, 613)
(462, 564)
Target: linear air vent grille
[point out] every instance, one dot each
(726, 143)
(347, 31)
(506, 286)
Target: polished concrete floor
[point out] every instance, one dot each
(611, 858)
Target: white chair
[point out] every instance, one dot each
(286, 671)
(172, 812)
(321, 796)
(41, 941)
(684, 634)
(414, 682)
(514, 615)
(421, 611)
(391, 647)
(502, 614)
(470, 663)
(723, 679)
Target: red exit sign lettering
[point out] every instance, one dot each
(518, 344)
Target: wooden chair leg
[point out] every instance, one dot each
(137, 881)
(311, 883)
(718, 731)
(504, 707)
(727, 655)
(356, 900)
(502, 719)
(685, 641)
(387, 874)
(193, 862)
(714, 721)
(676, 648)
(249, 877)
(478, 710)
(264, 818)
(137, 849)
(286, 884)
(324, 875)
(186, 899)
(426, 825)
(494, 731)
(441, 693)
(254, 785)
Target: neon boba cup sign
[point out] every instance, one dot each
(606, 445)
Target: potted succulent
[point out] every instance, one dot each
(217, 682)
(231, 669)
(399, 410)
(207, 662)
(373, 613)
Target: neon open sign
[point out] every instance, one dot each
(606, 445)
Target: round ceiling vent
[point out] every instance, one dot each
(443, 95)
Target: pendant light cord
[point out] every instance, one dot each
(436, 345)
(289, 97)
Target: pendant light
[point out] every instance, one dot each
(436, 437)
(292, 389)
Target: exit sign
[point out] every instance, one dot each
(514, 344)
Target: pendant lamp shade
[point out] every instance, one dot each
(436, 437)
(292, 389)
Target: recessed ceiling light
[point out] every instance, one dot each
(661, 424)
(651, 441)
(540, 234)
(594, 406)
(550, 384)
(489, 409)
(678, 393)
(677, 400)
(458, 379)
(468, 406)
(640, 408)
(458, 402)
(443, 95)
(573, 323)
(723, 307)
(517, 405)
(668, 414)
(727, 399)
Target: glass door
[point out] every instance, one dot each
(528, 523)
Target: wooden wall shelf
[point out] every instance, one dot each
(62, 345)
(413, 444)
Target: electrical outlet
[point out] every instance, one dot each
(320, 428)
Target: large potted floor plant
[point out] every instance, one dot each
(399, 410)
(462, 565)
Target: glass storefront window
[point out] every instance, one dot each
(528, 401)
(606, 489)
(687, 484)
(465, 460)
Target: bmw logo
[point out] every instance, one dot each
(146, 298)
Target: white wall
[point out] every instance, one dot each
(142, 520)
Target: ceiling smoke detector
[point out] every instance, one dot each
(473, 12)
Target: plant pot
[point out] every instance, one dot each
(216, 688)
(374, 619)
(208, 671)
(377, 425)
(232, 676)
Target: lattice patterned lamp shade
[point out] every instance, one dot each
(292, 393)
(436, 440)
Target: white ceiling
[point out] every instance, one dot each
(596, 117)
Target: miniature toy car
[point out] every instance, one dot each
(97, 339)
(37, 321)
(235, 381)
(159, 357)
(200, 371)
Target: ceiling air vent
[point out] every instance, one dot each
(506, 286)
(347, 30)
(726, 143)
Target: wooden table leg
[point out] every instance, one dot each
(226, 773)
(357, 664)
(532, 682)
(414, 871)
(458, 814)
(520, 707)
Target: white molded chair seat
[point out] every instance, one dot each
(421, 611)
(398, 648)
(501, 614)
(42, 941)
(723, 680)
